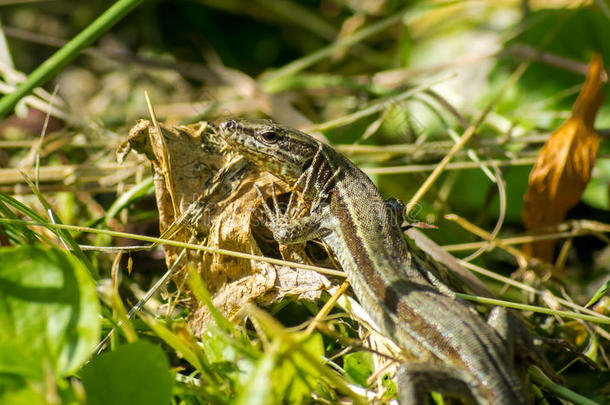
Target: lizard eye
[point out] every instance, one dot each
(269, 136)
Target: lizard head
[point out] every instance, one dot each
(282, 151)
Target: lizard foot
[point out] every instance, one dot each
(290, 227)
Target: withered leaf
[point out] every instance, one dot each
(563, 167)
(214, 192)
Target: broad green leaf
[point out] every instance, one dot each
(359, 366)
(133, 374)
(49, 312)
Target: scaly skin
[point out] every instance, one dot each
(453, 350)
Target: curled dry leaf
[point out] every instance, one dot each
(563, 168)
(213, 191)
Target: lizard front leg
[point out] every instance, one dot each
(287, 228)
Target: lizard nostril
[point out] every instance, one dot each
(228, 125)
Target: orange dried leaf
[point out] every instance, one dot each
(563, 168)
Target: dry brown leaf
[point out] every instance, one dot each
(563, 168)
(205, 172)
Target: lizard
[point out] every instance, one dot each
(451, 348)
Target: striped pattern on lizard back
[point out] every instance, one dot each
(426, 322)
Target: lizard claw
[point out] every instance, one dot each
(278, 222)
(276, 205)
(266, 207)
(273, 212)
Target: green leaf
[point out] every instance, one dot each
(141, 189)
(49, 312)
(198, 288)
(192, 354)
(389, 385)
(16, 232)
(133, 374)
(359, 366)
(603, 290)
(294, 378)
(405, 47)
(61, 233)
(14, 390)
(258, 389)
